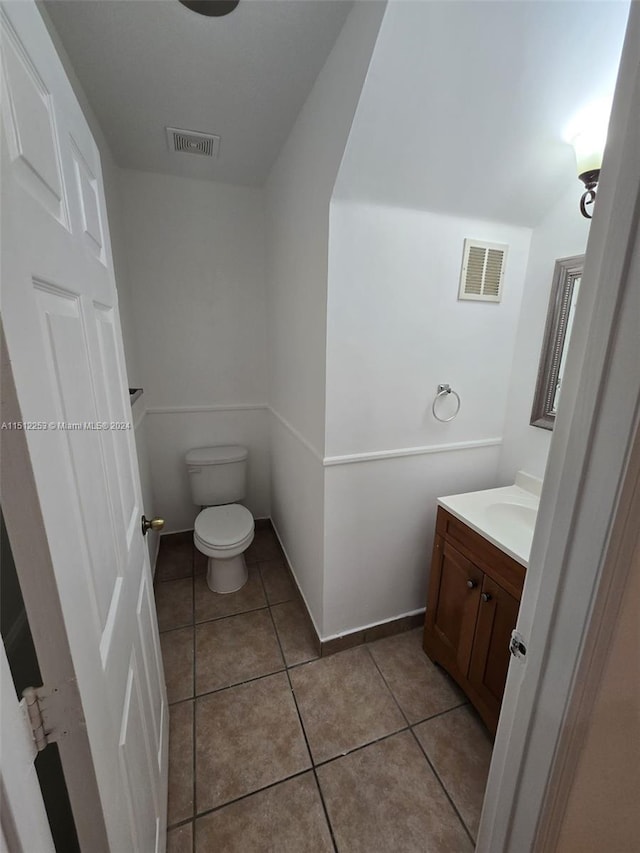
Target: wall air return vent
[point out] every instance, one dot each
(193, 142)
(482, 271)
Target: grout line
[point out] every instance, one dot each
(230, 615)
(182, 701)
(177, 628)
(442, 785)
(239, 683)
(422, 749)
(324, 809)
(438, 714)
(302, 663)
(386, 684)
(171, 580)
(304, 734)
(179, 823)
(362, 746)
(313, 766)
(250, 794)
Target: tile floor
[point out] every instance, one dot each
(273, 749)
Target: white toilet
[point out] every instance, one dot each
(224, 529)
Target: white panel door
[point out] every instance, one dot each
(60, 316)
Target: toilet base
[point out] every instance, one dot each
(224, 576)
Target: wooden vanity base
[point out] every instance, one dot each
(472, 607)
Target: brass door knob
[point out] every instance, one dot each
(151, 524)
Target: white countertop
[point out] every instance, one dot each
(505, 516)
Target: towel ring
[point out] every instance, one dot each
(444, 391)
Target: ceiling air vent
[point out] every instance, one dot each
(482, 271)
(193, 142)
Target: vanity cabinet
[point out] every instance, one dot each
(472, 607)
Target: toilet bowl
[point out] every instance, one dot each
(224, 529)
(223, 534)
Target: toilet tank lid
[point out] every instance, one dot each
(216, 455)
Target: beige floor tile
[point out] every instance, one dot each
(177, 657)
(175, 557)
(385, 798)
(213, 605)
(421, 688)
(287, 818)
(180, 762)
(180, 839)
(277, 581)
(236, 649)
(459, 747)
(174, 603)
(247, 737)
(265, 546)
(295, 633)
(344, 703)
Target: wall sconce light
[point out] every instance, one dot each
(588, 147)
(588, 136)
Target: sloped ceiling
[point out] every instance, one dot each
(462, 111)
(465, 103)
(146, 64)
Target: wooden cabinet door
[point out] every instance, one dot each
(452, 607)
(497, 616)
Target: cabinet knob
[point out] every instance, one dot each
(472, 584)
(486, 596)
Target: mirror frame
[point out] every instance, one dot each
(565, 272)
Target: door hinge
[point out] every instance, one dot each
(41, 708)
(517, 646)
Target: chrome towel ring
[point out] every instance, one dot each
(444, 391)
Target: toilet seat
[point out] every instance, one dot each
(224, 528)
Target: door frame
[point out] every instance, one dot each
(575, 577)
(25, 527)
(625, 546)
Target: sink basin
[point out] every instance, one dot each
(512, 513)
(505, 516)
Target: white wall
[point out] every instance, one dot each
(395, 329)
(459, 115)
(562, 233)
(195, 256)
(379, 526)
(298, 192)
(297, 510)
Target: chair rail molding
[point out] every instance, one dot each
(223, 407)
(374, 456)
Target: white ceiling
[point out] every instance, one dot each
(462, 111)
(465, 104)
(146, 64)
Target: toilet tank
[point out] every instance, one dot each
(217, 475)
